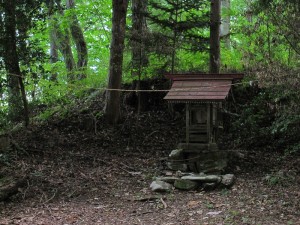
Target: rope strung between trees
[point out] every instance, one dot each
(156, 90)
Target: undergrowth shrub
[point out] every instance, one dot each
(268, 120)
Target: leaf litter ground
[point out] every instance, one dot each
(94, 174)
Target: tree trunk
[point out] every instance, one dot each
(16, 89)
(53, 45)
(138, 36)
(174, 40)
(225, 25)
(215, 36)
(78, 37)
(62, 40)
(112, 108)
(53, 56)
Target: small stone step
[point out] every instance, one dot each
(203, 178)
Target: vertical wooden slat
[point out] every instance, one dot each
(187, 122)
(208, 122)
(216, 123)
(211, 122)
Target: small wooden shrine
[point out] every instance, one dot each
(203, 95)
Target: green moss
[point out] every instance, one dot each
(185, 184)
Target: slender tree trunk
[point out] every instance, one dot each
(16, 89)
(62, 40)
(24, 99)
(112, 108)
(225, 25)
(138, 35)
(78, 37)
(53, 56)
(53, 45)
(10, 57)
(53, 51)
(215, 36)
(139, 31)
(174, 39)
(269, 41)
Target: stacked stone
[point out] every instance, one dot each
(181, 179)
(176, 161)
(191, 181)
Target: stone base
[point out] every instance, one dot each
(204, 158)
(192, 181)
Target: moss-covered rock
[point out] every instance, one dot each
(185, 184)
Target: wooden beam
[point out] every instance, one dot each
(187, 123)
(216, 133)
(208, 122)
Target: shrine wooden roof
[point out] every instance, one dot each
(200, 87)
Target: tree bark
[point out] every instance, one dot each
(62, 40)
(78, 37)
(53, 45)
(215, 36)
(174, 40)
(112, 108)
(16, 89)
(225, 25)
(53, 56)
(138, 36)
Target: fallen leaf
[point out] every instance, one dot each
(193, 204)
(219, 205)
(214, 213)
(200, 212)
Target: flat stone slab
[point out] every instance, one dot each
(203, 178)
(185, 184)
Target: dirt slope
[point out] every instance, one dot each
(81, 171)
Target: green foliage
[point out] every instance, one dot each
(60, 111)
(225, 192)
(4, 122)
(95, 19)
(281, 178)
(287, 128)
(231, 59)
(264, 46)
(252, 128)
(266, 121)
(192, 61)
(275, 179)
(209, 205)
(177, 34)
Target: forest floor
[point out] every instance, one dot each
(81, 171)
